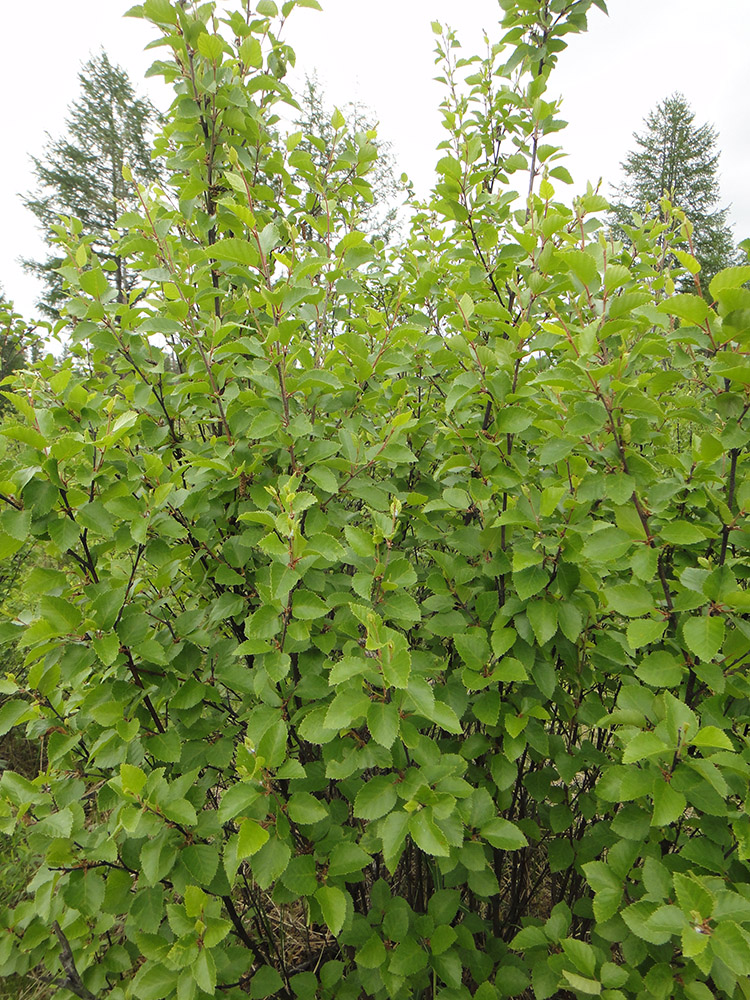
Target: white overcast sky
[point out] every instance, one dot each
(382, 54)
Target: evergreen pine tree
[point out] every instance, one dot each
(677, 157)
(81, 173)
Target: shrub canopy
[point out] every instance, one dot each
(397, 641)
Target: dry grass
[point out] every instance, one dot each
(23, 989)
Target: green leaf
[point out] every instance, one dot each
(372, 954)
(383, 722)
(210, 46)
(347, 859)
(153, 982)
(441, 939)
(392, 831)
(682, 533)
(251, 53)
(265, 983)
(582, 264)
(204, 971)
(323, 477)
(607, 544)
(730, 277)
(704, 636)
(629, 599)
(180, 811)
(270, 862)
(693, 897)
(132, 778)
(375, 798)
(529, 582)
(570, 621)
(445, 717)
(263, 623)
(690, 308)
(503, 834)
(731, 944)
(643, 631)
(427, 835)
(201, 860)
(16, 523)
(308, 606)
(263, 425)
(11, 713)
(160, 11)
(581, 954)
(252, 836)
(94, 283)
(513, 419)
(332, 902)
(502, 639)
(473, 648)
(236, 799)
(510, 669)
(107, 648)
(195, 900)
(669, 804)
(711, 736)
(396, 661)
(660, 669)
(591, 987)
(642, 746)
(234, 251)
(304, 808)
(542, 617)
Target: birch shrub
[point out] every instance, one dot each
(398, 643)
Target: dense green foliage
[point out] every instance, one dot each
(676, 158)
(81, 173)
(398, 644)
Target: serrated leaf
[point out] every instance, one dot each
(375, 798)
(304, 808)
(308, 606)
(704, 636)
(153, 982)
(383, 722)
(570, 621)
(372, 953)
(332, 902)
(630, 599)
(711, 736)
(201, 860)
(542, 617)
(643, 631)
(503, 834)
(265, 983)
(427, 835)
(251, 837)
(690, 308)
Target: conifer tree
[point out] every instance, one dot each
(81, 173)
(676, 156)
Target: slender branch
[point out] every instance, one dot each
(734, 455)
(72, 981)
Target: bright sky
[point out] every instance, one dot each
(381, 54)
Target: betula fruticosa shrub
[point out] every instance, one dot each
(397, 640)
